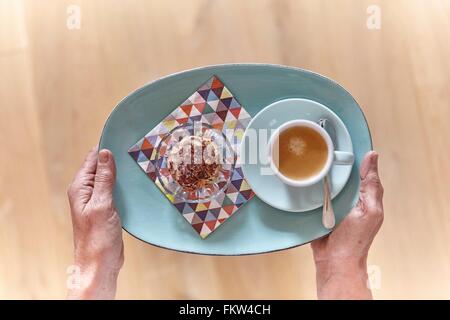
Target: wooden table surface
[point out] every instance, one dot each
(58, 85)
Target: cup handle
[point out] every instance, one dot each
(343, 158)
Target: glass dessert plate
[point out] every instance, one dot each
(194, 162)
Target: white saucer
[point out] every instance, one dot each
(268, 187)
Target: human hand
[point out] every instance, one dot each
(341, 257)
(97, 230)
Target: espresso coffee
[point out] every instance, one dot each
(303, 153)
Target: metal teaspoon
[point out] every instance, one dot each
(328, 219)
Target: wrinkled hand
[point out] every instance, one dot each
(341, 257)
(97, 229)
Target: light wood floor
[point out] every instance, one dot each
(57, 86)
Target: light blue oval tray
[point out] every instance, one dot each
(257, 227)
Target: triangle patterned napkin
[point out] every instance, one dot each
(216, 106)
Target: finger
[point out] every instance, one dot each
(371, 189)
(105, 177)
(80, 190)
(90, 163)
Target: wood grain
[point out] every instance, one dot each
(57, 87)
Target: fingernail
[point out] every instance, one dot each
(375, 156)
(103, 156)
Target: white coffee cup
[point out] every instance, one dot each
(333, 156)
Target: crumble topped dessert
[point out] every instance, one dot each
(194, 162)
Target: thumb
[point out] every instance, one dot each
(371, 190)
(105, 177)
